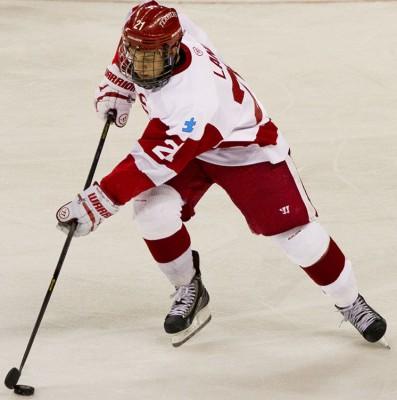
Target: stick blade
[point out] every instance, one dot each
(12, 378)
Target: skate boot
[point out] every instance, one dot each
(189, 312)
(365, 319)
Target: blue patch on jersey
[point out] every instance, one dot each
(189, 125)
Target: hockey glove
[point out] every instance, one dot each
(114, 92)
(89, 209)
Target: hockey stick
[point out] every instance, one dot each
(14, 374)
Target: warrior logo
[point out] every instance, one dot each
(98, 206)
(284, 210)
(123, 119)
(63, 213)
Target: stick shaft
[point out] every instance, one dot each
(66, 245)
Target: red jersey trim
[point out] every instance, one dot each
(188, 60)
(267, 135)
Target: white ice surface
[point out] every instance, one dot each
(327, 75)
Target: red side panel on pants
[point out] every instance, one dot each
(267, 194)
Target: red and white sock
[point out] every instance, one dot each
(174, 256)
(334, 274)
(311, 247)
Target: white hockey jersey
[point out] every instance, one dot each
(205, 111)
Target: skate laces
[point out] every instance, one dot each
(184, 298)
(359, 314)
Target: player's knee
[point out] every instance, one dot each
(304, 245)
(157, 212)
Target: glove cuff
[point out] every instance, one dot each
(99, 201)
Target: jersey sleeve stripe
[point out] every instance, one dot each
(125, 182)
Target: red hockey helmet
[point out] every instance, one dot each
(150, 45)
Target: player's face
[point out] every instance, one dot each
(148, 64)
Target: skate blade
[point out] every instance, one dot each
(200, 321)
(384, 343)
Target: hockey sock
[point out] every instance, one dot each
(179, 271)
(334, 274)
(174, 256)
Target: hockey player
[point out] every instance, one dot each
(205, 126)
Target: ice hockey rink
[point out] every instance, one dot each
(326, 73)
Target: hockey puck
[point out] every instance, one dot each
(24, 390)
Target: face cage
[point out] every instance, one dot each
(127, 58)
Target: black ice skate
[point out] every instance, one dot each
(190, 311)
(366, 320)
